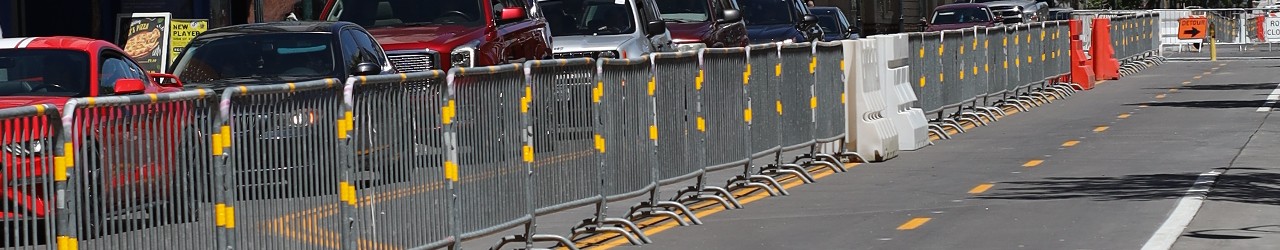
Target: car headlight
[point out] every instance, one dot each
(609, 54)
(27, 148)
(462, 57)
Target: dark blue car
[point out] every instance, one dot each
(834, 24)
(779, 21)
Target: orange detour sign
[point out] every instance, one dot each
(1192, 28)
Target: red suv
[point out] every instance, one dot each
(714, 23)
(52, 70)
(420, 35)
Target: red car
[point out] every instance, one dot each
(714, 23)
(53, 70)
(962, 16)
(420, 35)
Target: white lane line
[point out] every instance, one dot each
(1182, 214)
(1271, 100)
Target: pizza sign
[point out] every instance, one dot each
(145, 38)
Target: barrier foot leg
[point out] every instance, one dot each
(727, 195)
(561, 241)
(646, 209)
(970, 120)
(853, 154)
(954, 125)
(683, 210)
(831, 159)
(978, 117)
(629, 225)
(744, 181)
(597, 230)
(937, 130)
(994, 111)
(771, 181)
(800, 170)
(1014, 104)
(696, 194)
(834, 167)
(1029, 101)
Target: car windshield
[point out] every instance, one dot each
(588, 17)
(273, 55)
(766, 12)
(979, 1)
(681, 11)
(954, 16)
(32, 72)
(389, 13)
(828, 24)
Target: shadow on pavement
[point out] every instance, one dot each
(1243, 233)
(1225, 104)
(1249, 187)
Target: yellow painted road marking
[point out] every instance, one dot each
(655, 225)
(1160, 96)
(1032, 163)
(1100, 129)
(1071, 143)
(1173, 90)
(1124, 116)
(1186, 83)
(914, 223)
(1198, 77)
(981, 188)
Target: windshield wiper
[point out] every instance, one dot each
(675, 20)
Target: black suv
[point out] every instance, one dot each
(779, 21)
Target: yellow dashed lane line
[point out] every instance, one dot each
(981, 188)
(1100, 129)
(914, 223)
(1032, 163)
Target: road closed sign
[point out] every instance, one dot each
(1271, 29)
(1192, 28)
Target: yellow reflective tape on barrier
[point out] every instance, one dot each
(698, 81)
(1016, 41)
(215, 140)
(347, 193)
(942, 78)
(1029, 60)
(225, 215)
(986, 68)
(447, 112)
(451, 171)
(1006, 63)
(345, 125)
(922, 80)
(813, 65)
(599, 143)
(986, 44)
(1017, 63)
(777, 70)
(975, 43)
(527, 152)
(961, 49)
(39, 109)
(1006, 42)
(921, 54)
(1042, 57)
(653, 133)
(702, 126)
(93, 101)
(841, 64)
(813, 102)
(942, 48)
(962, 74)
(975, 70)
(597, 92)
(153, 97)
(60, 167)
(778, 106)
(746, 115)
(528, 98)
(68, 243)
(653, 85)
(842, 97)
(1042, 34)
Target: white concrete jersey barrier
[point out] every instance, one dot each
(874, 134)
(908, 122)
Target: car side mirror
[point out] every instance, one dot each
(366, 68)
(731, 16)
(655, 28)
(810, 19)
(166, 80)
(512, 14)
(127, 86)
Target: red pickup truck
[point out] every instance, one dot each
(420, 35)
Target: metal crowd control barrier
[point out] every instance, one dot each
(397, 138)
(31, 155)
(132, 173)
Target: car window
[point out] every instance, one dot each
(681, 11)
(32, 72)
(115, 67)
(953, 16)
(588, 17)
(257, 56)
(768, 12)
(359, 47)
(387, 13)
(829, 24)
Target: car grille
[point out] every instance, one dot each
(416, 62)
(582, 54)
(1005, 11)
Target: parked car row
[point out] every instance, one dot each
(988, 13)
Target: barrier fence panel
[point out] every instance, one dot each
(675, 74)
(485, 133)
(762, 83)
(626, 127)
(830, 93)
(930, 56)
(966, 58)
(725, 108)
(796, 92)
(995, 57)
(32, 220)
(1012, 61)
(566, 172)
(280, 159)
(402, 201)
(981, 69)
(948, 77)
(137, 179)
